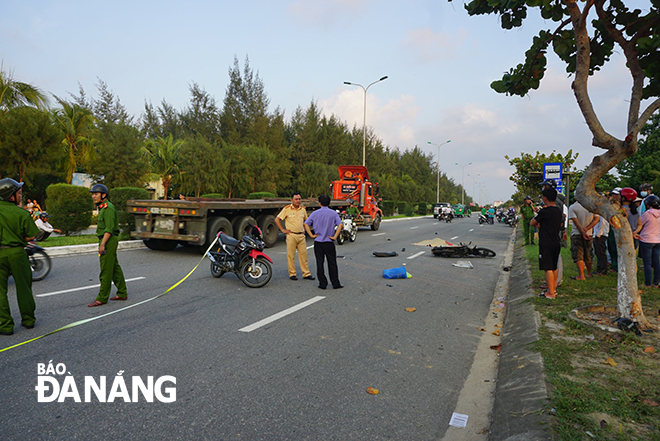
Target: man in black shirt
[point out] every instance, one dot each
(549, 221)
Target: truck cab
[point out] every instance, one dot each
(354, 184)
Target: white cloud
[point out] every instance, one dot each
(424, 45)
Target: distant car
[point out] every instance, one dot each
(459, 210)
(438, 207)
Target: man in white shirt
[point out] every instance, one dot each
(45, 229)
(581, 238)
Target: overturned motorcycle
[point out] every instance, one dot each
(244, 257)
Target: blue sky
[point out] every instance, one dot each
(440, 63)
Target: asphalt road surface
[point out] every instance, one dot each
(302, 376)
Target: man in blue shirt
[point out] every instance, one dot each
(324, 221)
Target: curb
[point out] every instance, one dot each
(91, 248)
(521, 395)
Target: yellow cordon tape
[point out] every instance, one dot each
(78, 323)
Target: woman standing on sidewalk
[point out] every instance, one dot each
(648, 233)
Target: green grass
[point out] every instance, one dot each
(62, 241)
(583, 389)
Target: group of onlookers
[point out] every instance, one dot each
(592, 234)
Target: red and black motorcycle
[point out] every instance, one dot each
(244, 257)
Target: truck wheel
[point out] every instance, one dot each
(218, 224)
(376, 224)
(268, 228)
(242, 226)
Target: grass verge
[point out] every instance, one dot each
(602, 386)
(63, 241)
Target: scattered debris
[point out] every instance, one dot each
(458, 420)
(385, 254)
(391, 286)
(496, 332)
(626, 324)
(649, 350)
(372, 391)
(396, 273)
(463, 264)
(611, 362)
(481, 329)
(496, 347)
(403, 250)
(411, 309)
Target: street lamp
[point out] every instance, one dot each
(473, 194)
(437, 201)
(463, 182)
(364, 124)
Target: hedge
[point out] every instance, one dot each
(212, 196)
(405, 208)
(422, 208)
(70, 207)
(388, 207)
(119, 196)
(262, 195)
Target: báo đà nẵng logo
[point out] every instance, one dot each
(55, 383)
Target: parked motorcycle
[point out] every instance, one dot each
(349, 230)
(512, 220)
(482, 219)
(244, 257)
(39, 261)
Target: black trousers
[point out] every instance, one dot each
(321, 251)
(43, 235)
(600, 245)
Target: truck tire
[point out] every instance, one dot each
(242, 225)
(218, 224)
(376, 223)
(268, 228)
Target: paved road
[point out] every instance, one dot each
(303, 376)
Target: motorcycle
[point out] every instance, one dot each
(39, 261)
(244, 257)
(349, 230)
(482, 219)
(512, 220)
(447, 217)
(462, 250)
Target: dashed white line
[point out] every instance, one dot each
(412, 228)
(471, 229)
(281, 314)
(416, 255)
(377, 234)
(82, 288)
(455, 237)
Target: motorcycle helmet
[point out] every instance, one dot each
(528, 198)
(99, 188)
(44, 214)
(8, 187)
(628, 194)
(652, 201)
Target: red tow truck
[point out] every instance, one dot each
(354, 184)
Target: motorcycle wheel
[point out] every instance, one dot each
(484, 252)
(353, 235)
(40, 264)
(216, 270)
(481, 221)
(340, 239)
(257, 276)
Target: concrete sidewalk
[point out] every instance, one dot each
(521, 397)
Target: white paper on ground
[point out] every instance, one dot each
(463, 264)
(458, 420)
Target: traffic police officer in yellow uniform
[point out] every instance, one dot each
(16, 228)
(107, 229)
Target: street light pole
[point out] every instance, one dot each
(463, 182)
(364, 123)
(437, 198)
(473, 194)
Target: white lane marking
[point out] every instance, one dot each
(471, 229)
(279, 315)
(416, 255)
(310, 247)
(412, 228)
(452, 238)
(377, 234)
(82, 288)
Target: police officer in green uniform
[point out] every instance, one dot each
(528, 212)
(107, 229)
(16, 228)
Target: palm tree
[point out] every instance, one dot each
(164, 155)
(16, 94)
(77, 125)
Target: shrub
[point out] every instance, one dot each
(405, 208)
(262, 195)
(212, 196)
(119, 196)
(70, 207)
(388, 208)
(422, 208)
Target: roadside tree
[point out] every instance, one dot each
(585, 38)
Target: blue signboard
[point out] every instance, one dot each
(553, 170)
